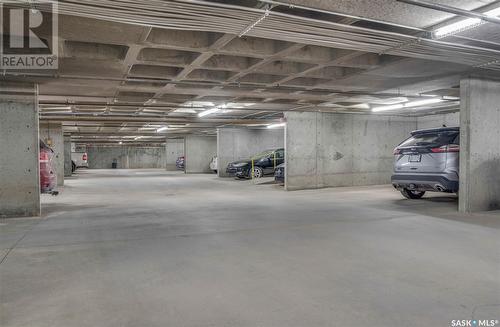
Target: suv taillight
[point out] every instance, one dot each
(396, 152)
(446, 148)
(84, 157)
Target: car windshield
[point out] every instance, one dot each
(263, 154)
(442, 138)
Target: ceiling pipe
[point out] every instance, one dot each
(452, 10)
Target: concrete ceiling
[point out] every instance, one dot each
(120, 81)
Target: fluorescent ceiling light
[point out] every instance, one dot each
(276, 125)
(213, 110)
(419, 103)
(208, 112)
(185, 110)
(239, 105)
(463, 25)
(360, 106)
(198, 104)
(137, 138)
(391, 101)
(161, 129)
(412, 104)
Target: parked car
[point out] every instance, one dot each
(279, 174)
(48, 177)
(80, 159)
(427, 161)
(263, 164)
(179, 163)
(213, 164)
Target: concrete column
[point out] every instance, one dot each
(19, 154)
(174, 148)
(479, 145)
(52, 135)
(330, 150)
(199, 151)
(243, 143)
(67, 156)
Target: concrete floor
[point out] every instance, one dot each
(155, 248)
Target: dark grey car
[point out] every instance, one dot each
(427, 161)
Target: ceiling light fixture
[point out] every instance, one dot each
(463, 25)
(419, 103)
(161, 129)
(413, 104)
(137, 138)
(208, 112)
(276, 125)
(212, 111)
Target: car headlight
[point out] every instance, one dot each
(241, 164)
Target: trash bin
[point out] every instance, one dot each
(114, 164)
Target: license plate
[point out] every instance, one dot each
(415, 158)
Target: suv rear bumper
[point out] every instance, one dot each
(420, 182)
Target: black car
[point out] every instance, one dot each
(279, 174)
(263, 164)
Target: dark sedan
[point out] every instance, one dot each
(263, 164)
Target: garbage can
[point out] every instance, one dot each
(114, 164)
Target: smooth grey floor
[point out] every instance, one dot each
(154, 248)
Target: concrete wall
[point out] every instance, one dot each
(327, 150)
(19, 158)
(242, 143)
(54, 133)
(174, 148)
(199, 151)
(435, 121)
(479, 145)
(128, 157)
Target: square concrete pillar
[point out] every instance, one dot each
(199, 151)
(19, 154)
(242, 143)
(52, 135)
(479, 145)
(174, 148)
(67, 156)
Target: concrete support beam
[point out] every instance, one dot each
(67, 156)
(199, 151)
(19, 159)
(52, 135)
(174, 148)
(329, 150)
(479, 145)
(243, 143)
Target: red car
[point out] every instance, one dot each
(48, 177)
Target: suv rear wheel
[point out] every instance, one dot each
(409, 194)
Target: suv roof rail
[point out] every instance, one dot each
(434, 130)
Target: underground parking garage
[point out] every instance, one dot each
(250, 163)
